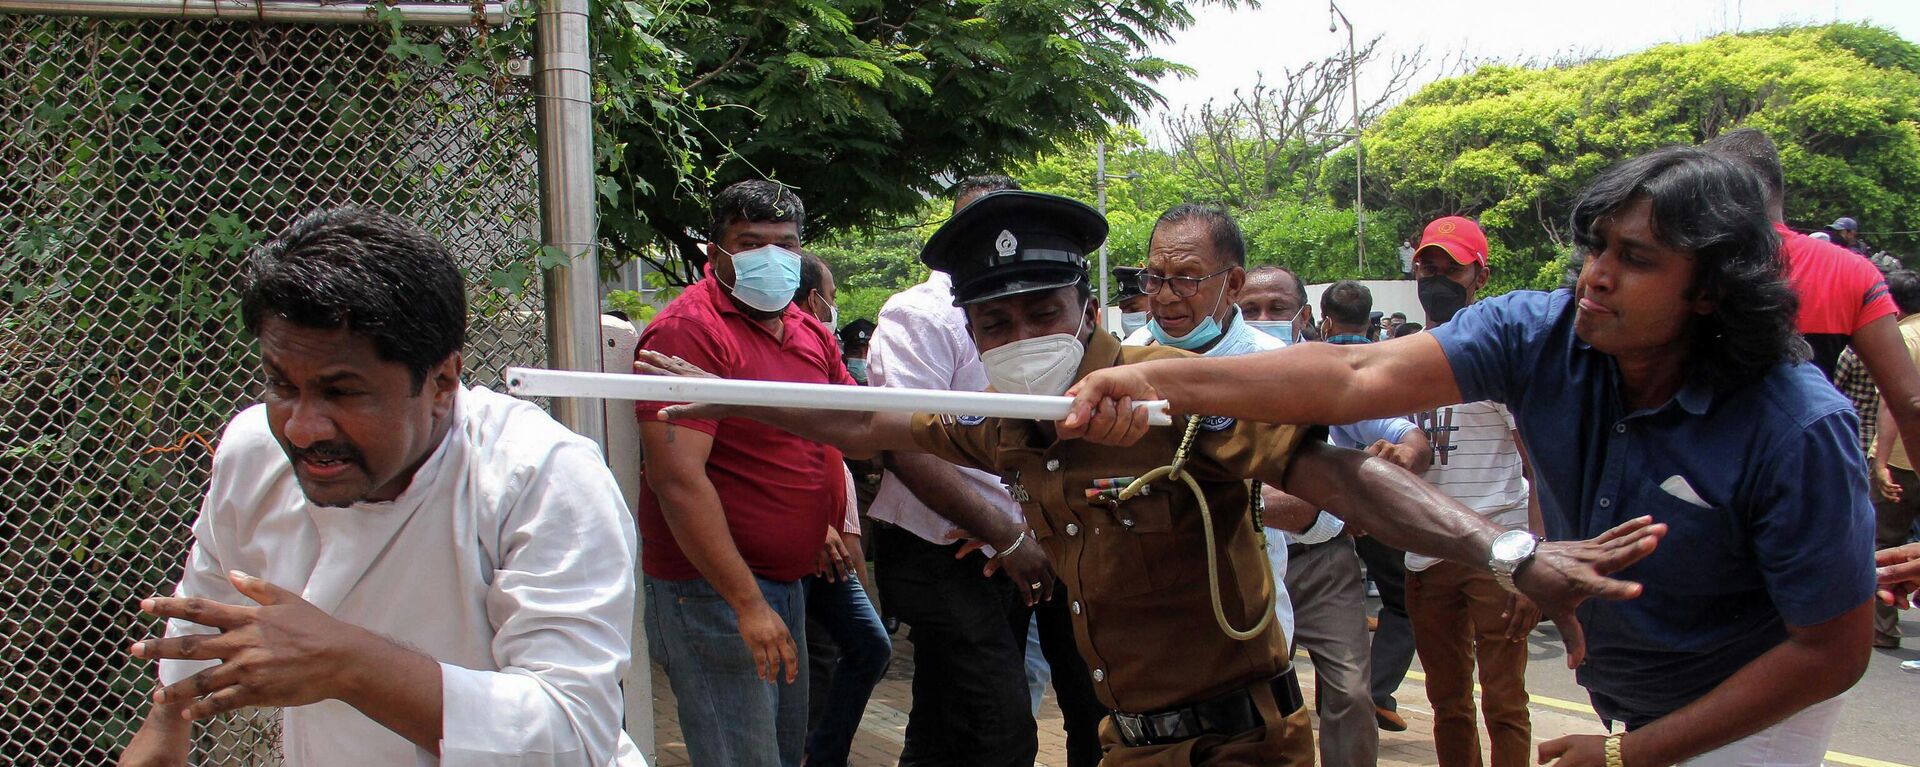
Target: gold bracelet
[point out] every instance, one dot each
(1613, 750)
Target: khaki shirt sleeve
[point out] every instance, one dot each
(962, 441)
(1229, 449)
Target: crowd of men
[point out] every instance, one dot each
(1655, 457)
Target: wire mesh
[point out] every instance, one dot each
(140, 160)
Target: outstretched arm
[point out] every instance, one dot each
(859, 435)
(1390, 503)
(1323, 383)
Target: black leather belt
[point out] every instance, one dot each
(1229, 714)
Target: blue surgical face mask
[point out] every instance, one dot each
(1203, 334)
(1281, 329)
(857, 368)
(766, 277)
(1132, 321)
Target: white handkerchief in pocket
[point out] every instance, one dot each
(1677, 487)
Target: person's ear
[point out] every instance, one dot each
(1481, 274)
(1236, 280)
(442, 382)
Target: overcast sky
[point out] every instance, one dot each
(1229, 48)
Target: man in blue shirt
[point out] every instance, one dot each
(1667, 383)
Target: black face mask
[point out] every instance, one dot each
(1441, 298)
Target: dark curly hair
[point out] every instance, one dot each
(1717, 210)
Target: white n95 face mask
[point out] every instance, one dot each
(1044, 365)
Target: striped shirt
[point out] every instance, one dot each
(1475, 462)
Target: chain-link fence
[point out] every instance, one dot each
(140, 159)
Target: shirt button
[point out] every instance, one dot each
(1076, 607)
(1606, 502)
(1073, 529)
(1053, 464)
(1619, 428)
(1099, 675)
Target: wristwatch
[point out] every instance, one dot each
(1511, 549)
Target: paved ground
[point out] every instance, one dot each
(1880, 728)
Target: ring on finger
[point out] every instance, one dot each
(1034, 585)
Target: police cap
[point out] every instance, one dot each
(1010, 242)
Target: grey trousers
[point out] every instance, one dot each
(1330, 623)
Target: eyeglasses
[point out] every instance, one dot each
(1184, 287)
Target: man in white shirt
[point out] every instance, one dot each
(971, 703)
(416, 572)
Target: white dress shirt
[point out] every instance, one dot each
(1236, 339)
(509, 559)
(921, 342)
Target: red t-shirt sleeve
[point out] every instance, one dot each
(691, 342)
(1876, 300)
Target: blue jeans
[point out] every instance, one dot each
(728, 716)
(843, 609)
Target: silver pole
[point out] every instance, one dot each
(1100, 191)
(1353, 84)
(281, 11)
(563, 84)
(1359, 151)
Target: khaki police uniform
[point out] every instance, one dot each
(1136, 570)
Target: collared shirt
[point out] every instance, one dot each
(779, 492)
(1910, 335)
(1851, 378)
(921, 342)
(508, 559)
(1137, 571)
(1840, 293)
(1762, 489)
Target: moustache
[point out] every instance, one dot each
(328, 451)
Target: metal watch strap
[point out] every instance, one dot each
(1614, 759)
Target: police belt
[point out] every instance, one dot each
(1229, 714)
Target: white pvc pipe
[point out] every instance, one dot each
(538, 382)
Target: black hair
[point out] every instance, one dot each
(1299, 285)
(973, 185)
(1348, 303)
(1750, 147)
(1398, 315)
(377, 275)
(1717, 209)
(755, 201)
(1227, 240)
(813, 275)
(1904, 284)
(1407, 329)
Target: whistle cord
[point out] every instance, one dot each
(1177, 470)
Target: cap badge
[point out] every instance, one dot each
(1447, 227)
(1006, 245)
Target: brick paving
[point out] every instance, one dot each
(884, 728)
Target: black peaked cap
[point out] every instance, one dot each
(1010, 242)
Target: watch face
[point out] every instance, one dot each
(1513, 545)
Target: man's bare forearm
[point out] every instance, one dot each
(398, 688)
(1780, 683)
(1323, 383)
(859, 435)
(1390, 503)
(164, 739)
(941, 487)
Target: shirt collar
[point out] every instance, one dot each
(1348, 338)
(1103, 351)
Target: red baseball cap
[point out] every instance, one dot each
(1459, 236)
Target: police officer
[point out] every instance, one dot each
(1157, 542)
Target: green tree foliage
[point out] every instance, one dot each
(866, 107)
(1512, 146)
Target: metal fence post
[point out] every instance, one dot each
(563, 86)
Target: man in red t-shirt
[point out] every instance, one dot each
(1843, 298)
(733, 512)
